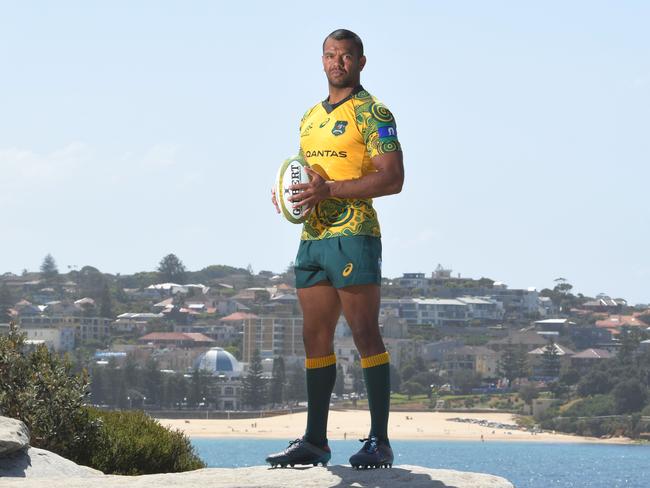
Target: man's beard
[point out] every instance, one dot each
(341, 82)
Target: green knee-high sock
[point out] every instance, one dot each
(321, 376)
(376, 373)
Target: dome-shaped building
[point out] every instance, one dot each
(219, 362)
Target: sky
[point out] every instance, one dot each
(130, 130)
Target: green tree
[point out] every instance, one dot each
(49, 271)
(511, 365)
(6, 302)
(550, 361)
(595, 382)
(464, 380)
(411, 388)
(395, 378)
(90, 282)
(278, 381)
(528, 393)
(198, 388)
(297, 390)
(254, 386)
(40, 389)
(339, 386)
(171, 269)
(630, 396)
(106, 307)
(358, 384)
(153, 383)
(630, 340)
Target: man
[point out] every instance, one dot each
(350, 142)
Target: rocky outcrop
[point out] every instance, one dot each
(39, 463)
(264, 477)
(28, 467)
(14, 436)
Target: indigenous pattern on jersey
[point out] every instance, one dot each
(339, 141)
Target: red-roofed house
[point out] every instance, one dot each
(238, 320)
(617, 321)
(177, 339)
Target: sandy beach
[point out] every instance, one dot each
(353, 424)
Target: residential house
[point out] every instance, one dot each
(583, 361)
(478, 359)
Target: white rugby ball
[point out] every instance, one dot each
(291, 172)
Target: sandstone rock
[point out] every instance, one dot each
(264, 477)
(39, 463)
(14, 436)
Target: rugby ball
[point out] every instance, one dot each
(291, 172)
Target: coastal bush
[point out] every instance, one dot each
(40, 389)
(592, 407)
(630, 396)
(132, 443)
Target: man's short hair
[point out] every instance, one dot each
(342, 34)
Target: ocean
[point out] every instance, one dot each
(525, 464)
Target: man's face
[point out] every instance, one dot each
(342, 63)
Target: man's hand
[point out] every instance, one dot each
(312, 193)
(274, 200)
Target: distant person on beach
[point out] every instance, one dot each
(350, 142)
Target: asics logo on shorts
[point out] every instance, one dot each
(347, 270)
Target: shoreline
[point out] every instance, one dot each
(355, 424)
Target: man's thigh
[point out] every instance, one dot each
(321, 309)
(360, 304)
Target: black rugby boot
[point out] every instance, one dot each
(300, 452)
(375, 453)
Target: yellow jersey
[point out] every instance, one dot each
(338, 142)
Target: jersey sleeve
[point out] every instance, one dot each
(379, 130)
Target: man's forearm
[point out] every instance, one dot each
(372, 185)
(387, 179)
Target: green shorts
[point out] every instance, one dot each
(343, 261)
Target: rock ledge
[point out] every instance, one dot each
(264, 477)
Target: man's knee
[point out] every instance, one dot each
(367, 337)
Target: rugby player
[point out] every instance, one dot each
(350, 142)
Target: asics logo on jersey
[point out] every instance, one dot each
(347, 270)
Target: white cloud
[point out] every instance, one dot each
(161, 156)
(25, 171)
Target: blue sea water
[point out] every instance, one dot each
(525, 464)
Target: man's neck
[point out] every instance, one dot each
(337, 94)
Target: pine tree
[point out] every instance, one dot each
(49, 271)
(171, 269)
(106, 309)
(278, 382)
(512, 363)
(254, 387)
(550, 361)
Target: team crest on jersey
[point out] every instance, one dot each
(339, 127)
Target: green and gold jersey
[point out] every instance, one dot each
(339, 141)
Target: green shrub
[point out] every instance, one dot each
(40, 389)
(593, 406)
(133, 443)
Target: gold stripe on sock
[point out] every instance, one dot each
(376, 360)
(322, 362)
